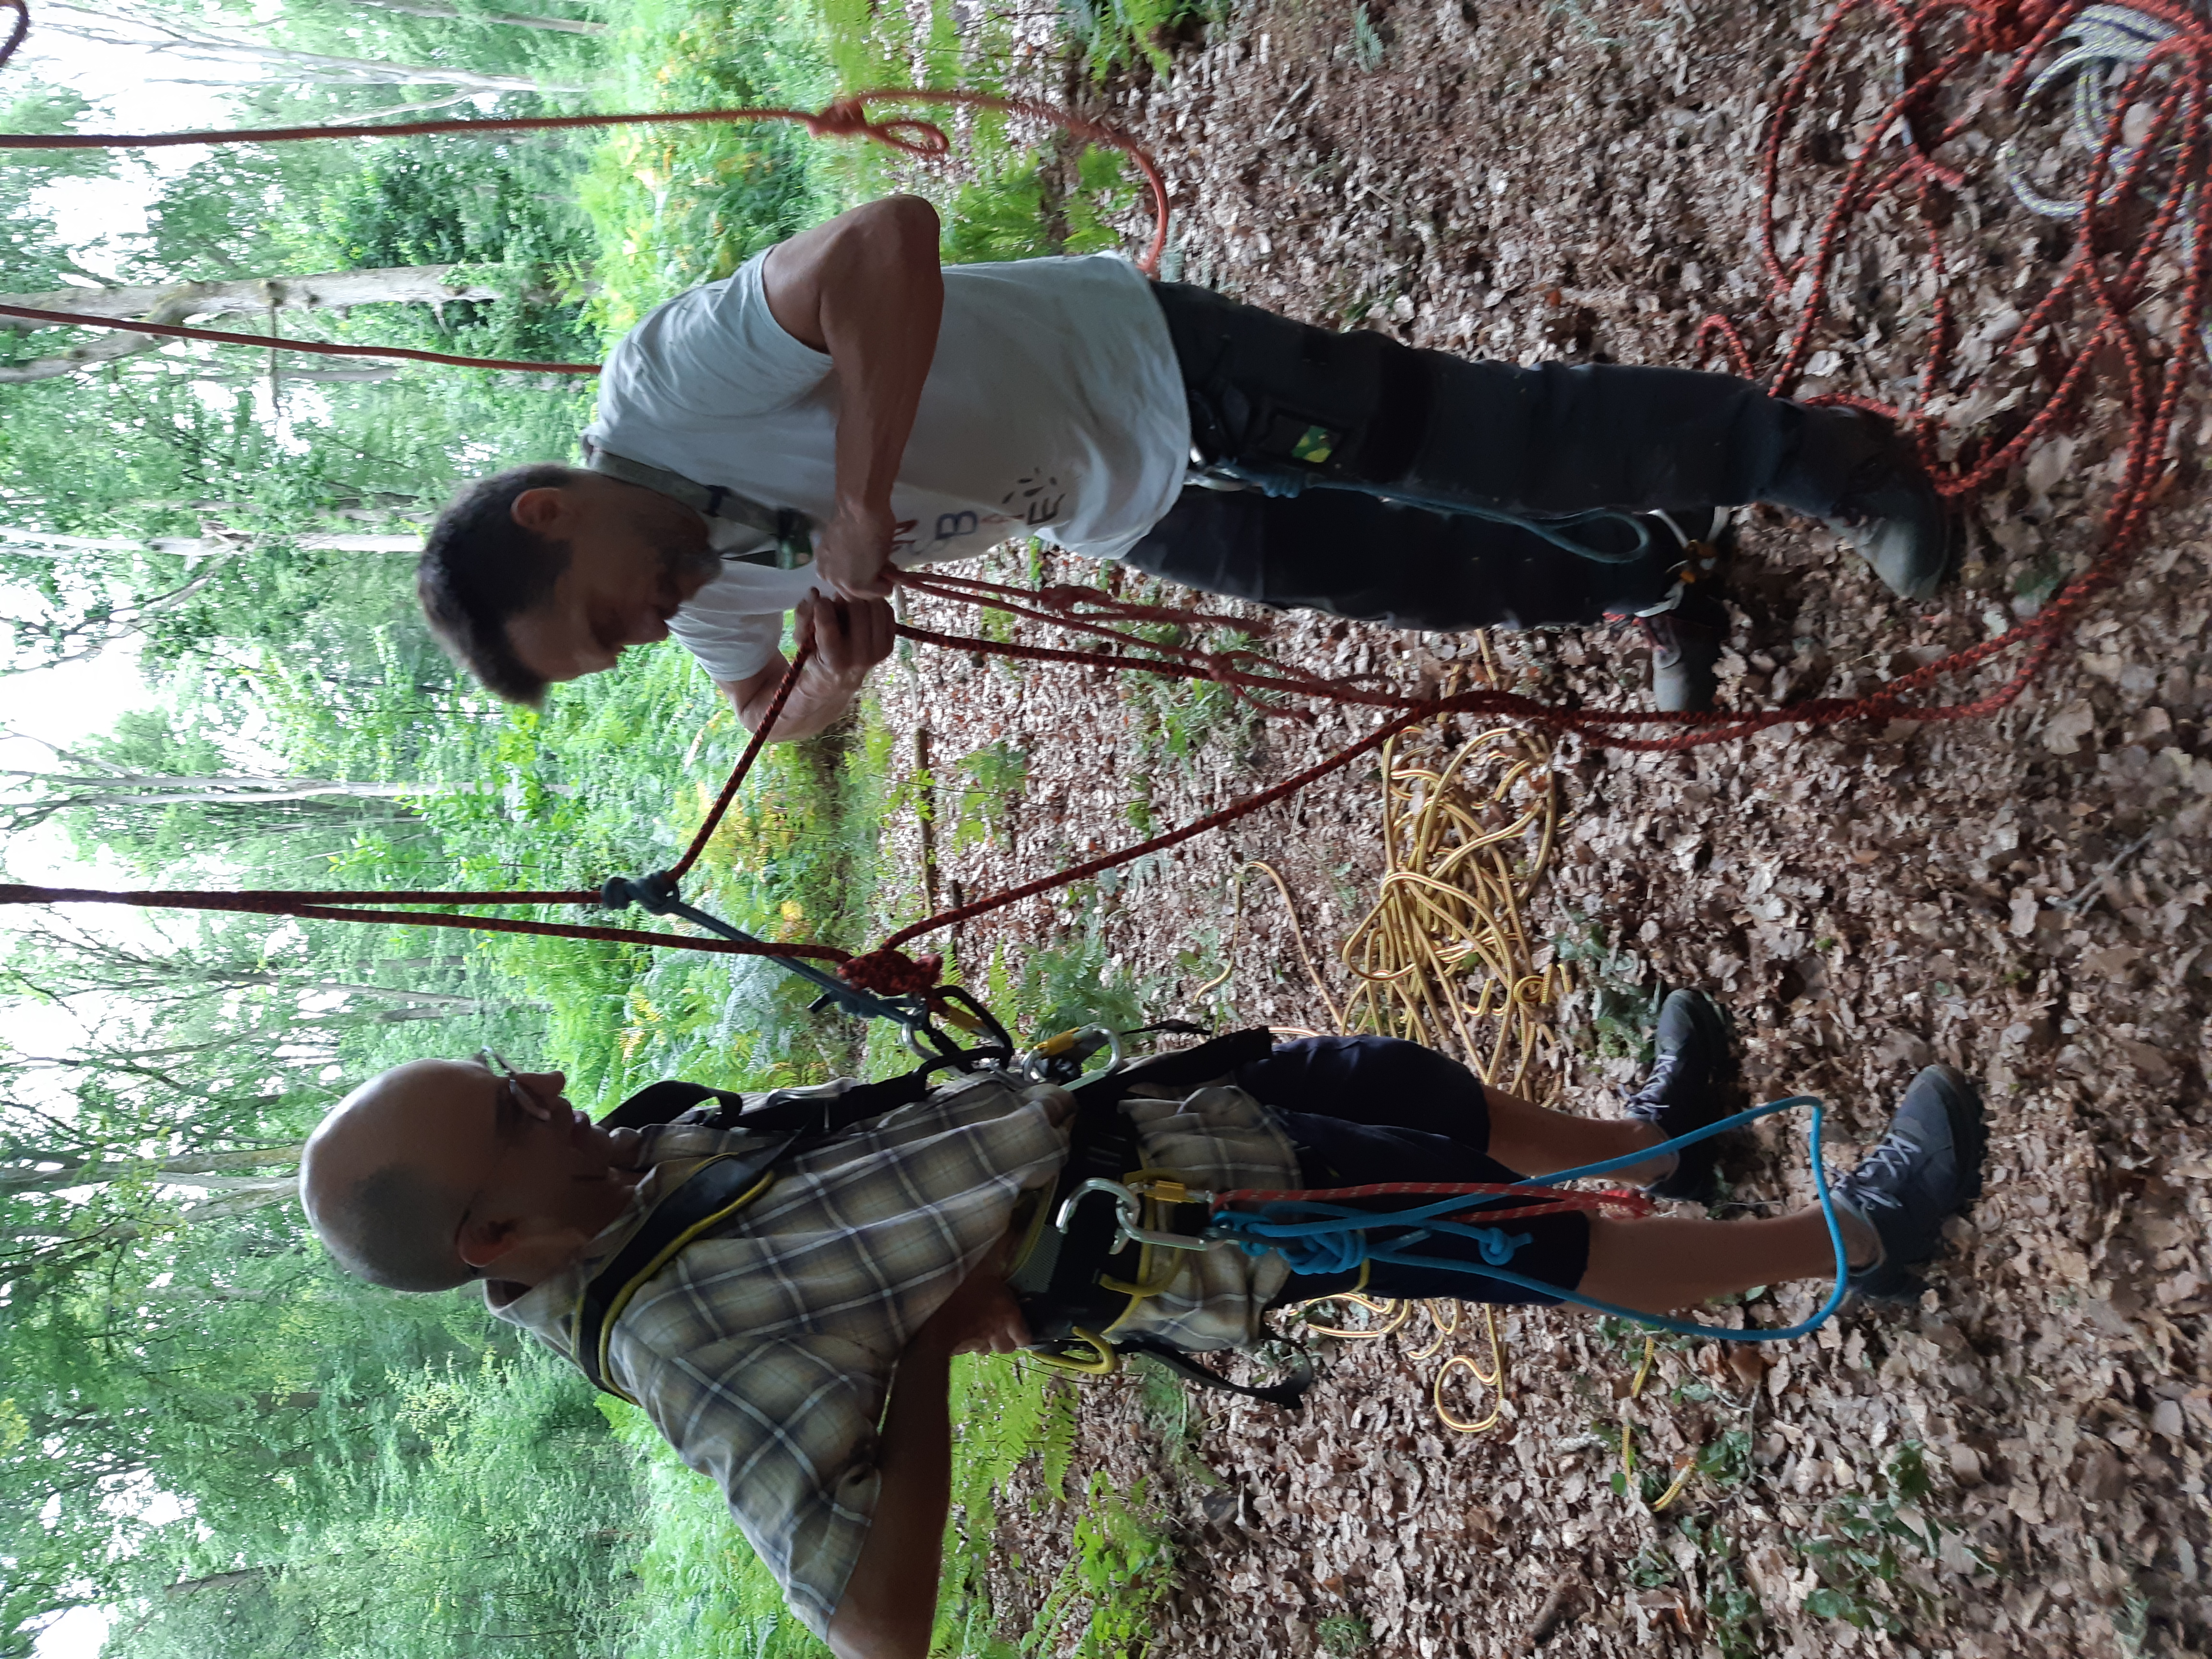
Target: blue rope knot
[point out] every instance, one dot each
(1498, 1246)
(1317, 1238)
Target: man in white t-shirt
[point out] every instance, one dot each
(781, 441)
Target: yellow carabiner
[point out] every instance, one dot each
(1103, 1361)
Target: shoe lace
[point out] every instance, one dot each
(1887, 1163)
(1650, 1102)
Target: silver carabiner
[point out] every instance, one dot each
(1128, 1216)
(1033, 1060)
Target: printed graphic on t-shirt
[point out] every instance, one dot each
(909, 545)
(1036, 498)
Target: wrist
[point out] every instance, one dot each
(865, 509)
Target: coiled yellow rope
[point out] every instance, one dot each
(1444, 957)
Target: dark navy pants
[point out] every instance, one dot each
(1359, 409)
(1362, 1110)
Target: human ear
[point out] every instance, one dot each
(540, 510)
(526, 1252)
(483, 1243)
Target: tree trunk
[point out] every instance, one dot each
(326, 291)
(177, 38)
(213, 1171)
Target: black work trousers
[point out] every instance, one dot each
(1367, 1109)
(1341, 417)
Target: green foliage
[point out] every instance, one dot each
(1368, 47)
(1341, 1635)
(1115, 32)
(1176, 719)
(677, 206)
(1123, 1569)
(31, 252)
(1735, 1619)
(1063, 986)
(1164, 1401)
(699, 1591)
(1725, 1461)
(993, 779)
(1865, 1580)
(1623, 1013)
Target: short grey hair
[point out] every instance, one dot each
(395, 1229)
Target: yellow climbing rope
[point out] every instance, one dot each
(1444, 957)
(1444, 951)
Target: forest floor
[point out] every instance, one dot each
(2014, 896)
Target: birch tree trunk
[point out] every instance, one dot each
(123, 26)
(184, 303)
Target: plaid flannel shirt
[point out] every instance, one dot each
(764, 1351)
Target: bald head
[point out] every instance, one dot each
(384, 1176)
(440, 1171)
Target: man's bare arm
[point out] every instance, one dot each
(889, 1603)
(867, 289)
(850, 636)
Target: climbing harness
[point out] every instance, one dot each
(1081, 1270)
(1317, 1233)
(783, 536)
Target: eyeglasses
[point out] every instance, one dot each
(525, 1098)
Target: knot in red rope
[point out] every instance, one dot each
(2004, 24)
(849, 118)
(893, 973)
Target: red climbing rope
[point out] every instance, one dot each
(282, 343)
(713, 822)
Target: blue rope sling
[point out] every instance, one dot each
(1333, 1237)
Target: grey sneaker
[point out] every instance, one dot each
(1889, 511)
(1927, 1169)
(1685, 640)
(1685, 649)
(1690, 1064)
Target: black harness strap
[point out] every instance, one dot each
(719, 1187)
(1289, 1394)
(786, 1111)
(714, 1192)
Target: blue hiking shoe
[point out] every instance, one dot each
(1690, 1068)
(1927, 1169)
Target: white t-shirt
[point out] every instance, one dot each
(1054, 408)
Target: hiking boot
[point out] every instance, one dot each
(1690, 1065)
(1686, 639)
(1685, 649)
(1888, 509)
(1927, 1169)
